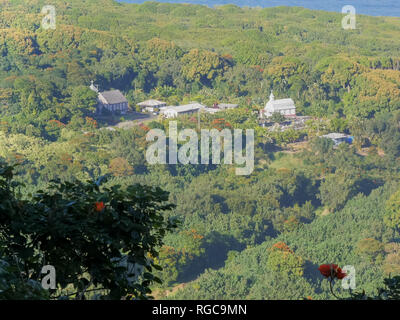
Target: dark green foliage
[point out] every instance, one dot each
(277, 117)
(65, 227)
(213, 54)
(326, 203)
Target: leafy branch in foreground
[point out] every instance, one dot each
(96, 237)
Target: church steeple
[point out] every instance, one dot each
(271, 96)
(93, 86)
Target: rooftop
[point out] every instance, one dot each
(281, 104)
(335, 135)
(151, 103)
(227, 105)
(186, 107)
(211, 110)
(113, 96)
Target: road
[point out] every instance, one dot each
(136, 119)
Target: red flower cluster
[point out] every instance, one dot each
(91, 122)
(281, 246)
(331, 271)
(99, 206)
(220, 124)
(258, 68)
(144, 127)
(57, 123)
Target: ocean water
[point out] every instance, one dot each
(369, 7)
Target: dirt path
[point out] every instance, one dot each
(159, 294)
(130, 123)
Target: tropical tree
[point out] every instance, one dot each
(99, 239)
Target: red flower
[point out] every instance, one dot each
(331, 271)
(99, 206)
(340, 275)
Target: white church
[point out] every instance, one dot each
(285, 107)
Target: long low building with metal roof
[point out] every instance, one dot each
(175, 111)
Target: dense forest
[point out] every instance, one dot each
(260, 236)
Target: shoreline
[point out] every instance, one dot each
(377, 11)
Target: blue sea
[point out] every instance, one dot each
(369, 7)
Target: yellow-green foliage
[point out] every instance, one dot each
(282, 259)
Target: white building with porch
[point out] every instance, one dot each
(285, 107)
(175, 111)
(151, 105)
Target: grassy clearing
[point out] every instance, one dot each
(286, 161)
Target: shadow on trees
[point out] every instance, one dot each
(365, 186)
(216, 247)
(311, 272)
